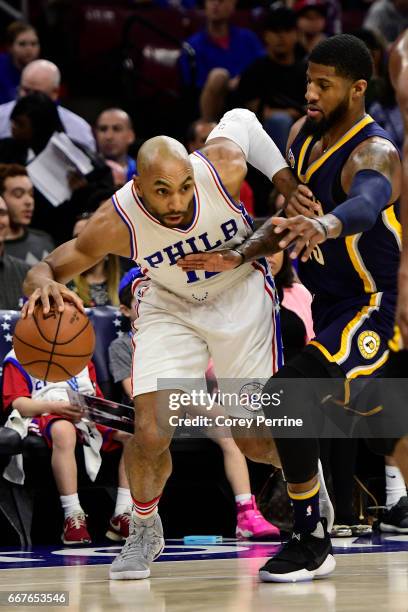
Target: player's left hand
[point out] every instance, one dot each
(218, 261)
(304, 234)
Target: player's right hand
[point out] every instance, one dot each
(64, 409)
(57, 292)
(302, 202)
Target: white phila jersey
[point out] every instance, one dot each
(218, 223)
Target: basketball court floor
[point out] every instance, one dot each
(371, 574)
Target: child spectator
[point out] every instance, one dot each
(250, 522)
(43, 408)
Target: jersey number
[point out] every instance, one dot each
(318, 255)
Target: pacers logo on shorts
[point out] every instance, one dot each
(368, 344)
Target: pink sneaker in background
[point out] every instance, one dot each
(251, 523)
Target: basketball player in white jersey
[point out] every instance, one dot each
(179, 204)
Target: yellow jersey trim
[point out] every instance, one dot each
(358, 263)
(305, 178)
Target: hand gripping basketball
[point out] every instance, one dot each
(57, 292)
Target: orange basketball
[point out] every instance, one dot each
(54, 346)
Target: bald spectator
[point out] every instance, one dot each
(114, 135)
(44, 76)
(12, 270)
(222, 52)
(22, 241)
(23, 47)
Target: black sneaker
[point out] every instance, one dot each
(395, 520)
(304, 557)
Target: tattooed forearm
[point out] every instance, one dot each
(263, 242)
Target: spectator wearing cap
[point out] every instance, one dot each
(44, 77)
(222, 52)
(311, 22)
(274, 86)
(23, 47)
(387, 17)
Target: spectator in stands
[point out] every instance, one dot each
(311, 22)
(388, 17)
(195, 139)
(274, 86)
(22, 241)
(222, 52)
(34, 120)
(23, 47)
(12, 270)
(44, 409)
(380, 97)
(250, 522)
(114, 135)
(97, 286)
(44, 76)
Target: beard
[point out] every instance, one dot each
(311, 127)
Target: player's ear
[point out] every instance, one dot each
(359, 88)
(137, 184)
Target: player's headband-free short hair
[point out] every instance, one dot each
(347, 54)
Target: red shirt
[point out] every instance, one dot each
(15, 384)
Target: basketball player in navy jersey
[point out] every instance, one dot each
(348, 240)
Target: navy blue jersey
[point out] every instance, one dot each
(364, 263)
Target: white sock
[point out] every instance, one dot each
(123, 501)
(243, 498)
(394, 486)
(70, 504)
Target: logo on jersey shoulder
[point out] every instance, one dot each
(291, 159)
(368, 344)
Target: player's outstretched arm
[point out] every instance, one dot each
(104, 233)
